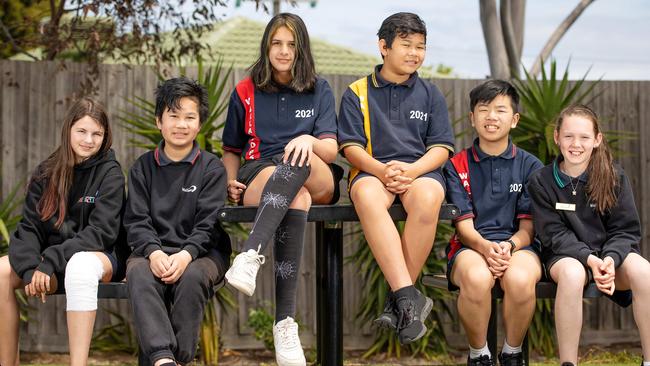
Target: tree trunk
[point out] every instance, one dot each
(494, 42)
(557, 35)
(512, 24)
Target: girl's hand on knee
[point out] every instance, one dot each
(235, 190)
(302, 148)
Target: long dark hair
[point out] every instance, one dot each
(303, 70)
(603, 180)
(57, 170)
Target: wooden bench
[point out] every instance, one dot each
(329, 268)
(543, 290)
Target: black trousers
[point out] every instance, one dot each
(167, 318)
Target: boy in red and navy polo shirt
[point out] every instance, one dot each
(394, 129)
(494, 232)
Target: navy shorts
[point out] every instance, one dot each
(622, 298)
(451, 258)
(251, 168)
(435, 174)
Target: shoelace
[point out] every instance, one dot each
(405, 315)
(288, 335)
(511, 359)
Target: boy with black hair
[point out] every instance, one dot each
(494, 231)
(394, 129)
(180, 250)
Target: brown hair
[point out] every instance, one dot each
(303, 70)
(603, 179)
(57, 170)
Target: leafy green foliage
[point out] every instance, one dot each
(118, 337)
(542, 100)
(261, 321)
(9, 218)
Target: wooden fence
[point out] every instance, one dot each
(35, 96)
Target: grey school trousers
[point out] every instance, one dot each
(167, 317)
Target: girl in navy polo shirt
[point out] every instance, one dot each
(281, 120)
(68, 235)
(585, 216)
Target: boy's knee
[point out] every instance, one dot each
(138, 273)
(519, 282)
(366, 195)
(476, 282)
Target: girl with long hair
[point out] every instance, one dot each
(68, 232)
(586, 219)
(281, 121)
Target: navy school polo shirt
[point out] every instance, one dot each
(403, 120)
(499, 193)
(277, 118)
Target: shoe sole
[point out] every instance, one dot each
(428, 306)
(240, 286)
(384, 323)
(285, 362)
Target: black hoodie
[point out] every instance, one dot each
(92, 223)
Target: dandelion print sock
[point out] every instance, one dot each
(287, 249)
(278, 193)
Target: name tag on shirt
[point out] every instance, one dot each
(565, 206)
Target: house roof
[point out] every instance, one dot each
(237, 40)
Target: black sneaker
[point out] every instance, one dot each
(387, 319)
(411, 314)
(571, 364)
(482, 360)
(511, 359)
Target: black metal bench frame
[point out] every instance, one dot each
(329, 269)
(543, 290)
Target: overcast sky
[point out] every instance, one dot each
(611, 36)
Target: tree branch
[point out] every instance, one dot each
(14, 45)
(557, 35)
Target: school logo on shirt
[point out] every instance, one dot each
(189, 189)
(88, 199)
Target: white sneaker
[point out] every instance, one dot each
(243, 272)
(288, 351)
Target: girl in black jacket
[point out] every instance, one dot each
(584, 214)
(71, 222)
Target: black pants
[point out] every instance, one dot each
(167, 317)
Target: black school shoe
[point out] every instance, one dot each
(482, 360)
(511, 359)
(411, 313)
(387, 319)
(571, 364)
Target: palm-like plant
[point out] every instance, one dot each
(8, 216)
(142, 123)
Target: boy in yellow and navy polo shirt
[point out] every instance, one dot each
(494, 231)
(394, 129)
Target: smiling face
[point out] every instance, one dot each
(405, 55)
(577, 140)
(179, 127)
(86, 137)
(282, 54)
(494, 120)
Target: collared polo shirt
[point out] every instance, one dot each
(499, 194)
(162, 159)
(402, 121)
(277, 119)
